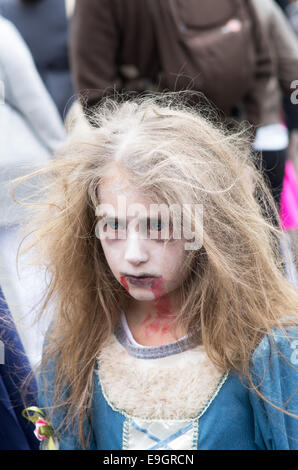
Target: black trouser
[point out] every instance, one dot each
(272, 164)
(273, 167)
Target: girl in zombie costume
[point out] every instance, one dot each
(166, 336)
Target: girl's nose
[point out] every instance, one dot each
(135, 252)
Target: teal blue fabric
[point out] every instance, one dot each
(237, 418)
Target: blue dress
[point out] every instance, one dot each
(233, 417)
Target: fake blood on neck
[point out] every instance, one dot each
(162, 321)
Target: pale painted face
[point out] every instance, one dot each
(137, 254)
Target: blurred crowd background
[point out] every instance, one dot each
(59, 58)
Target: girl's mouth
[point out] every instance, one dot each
(141, 280)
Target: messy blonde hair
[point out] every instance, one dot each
(236, 290)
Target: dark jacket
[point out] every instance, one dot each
(44, 28)
(16, 433)
(114, 46)
(284, 50)
(106, 37)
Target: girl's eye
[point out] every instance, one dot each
(113, 224)
(159, 229)
(113, 229)
(155, 225)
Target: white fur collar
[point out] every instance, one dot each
(173, 387)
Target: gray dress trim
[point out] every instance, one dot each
(152, 352)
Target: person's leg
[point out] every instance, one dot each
(273, 167)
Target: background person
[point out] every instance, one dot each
(30, 131)
(272, 138)
(43, 25)
(215, 47)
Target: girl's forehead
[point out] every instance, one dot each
(120, 192)
(114, 183)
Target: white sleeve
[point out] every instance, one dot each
(24, 89)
